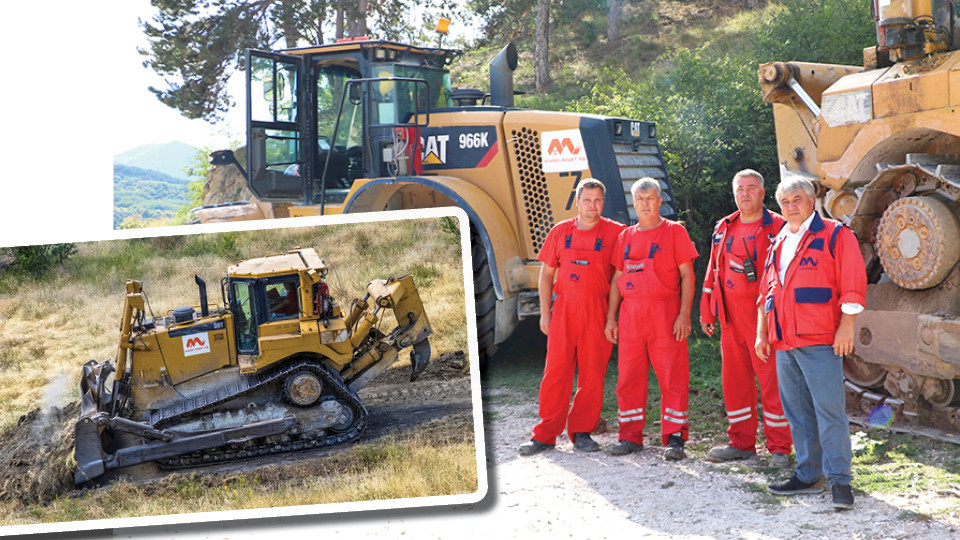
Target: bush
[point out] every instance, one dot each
(37, 261)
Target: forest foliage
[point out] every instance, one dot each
(141, 195)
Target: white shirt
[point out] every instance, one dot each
(790, 243)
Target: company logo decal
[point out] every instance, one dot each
(808, 261)
(196, 344)
(574, 277)
(563, 151)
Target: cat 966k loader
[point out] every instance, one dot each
(277, 369)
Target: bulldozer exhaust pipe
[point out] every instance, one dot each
(202, 285)
(501, 76)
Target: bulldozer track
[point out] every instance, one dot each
(289, 442)
(875, 409)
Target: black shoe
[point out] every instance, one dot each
(674, 450)
(584, 443)
(794, 486)
(842, 496)
(534, 447)
(623, 448)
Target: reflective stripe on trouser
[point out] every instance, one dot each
(575, 342)
(742, 370)
(814, 401)
(646, 339)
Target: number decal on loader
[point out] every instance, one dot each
(577, 175)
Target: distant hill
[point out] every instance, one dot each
(169, 158)
(146, 194)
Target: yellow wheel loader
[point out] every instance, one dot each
(368, 125)
(276, 369)
(882, 142)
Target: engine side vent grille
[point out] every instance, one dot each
(636, 163)
(533, 185)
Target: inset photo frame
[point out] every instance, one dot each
(239, 370)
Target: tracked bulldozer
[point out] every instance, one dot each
(276, 369)
(882, 142)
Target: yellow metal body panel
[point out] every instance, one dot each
(505, 193)
(159, 357)
(273, 265)
(890, 112)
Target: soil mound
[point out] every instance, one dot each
(36, 456)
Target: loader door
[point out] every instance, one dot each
(243, 305)
(274, 126)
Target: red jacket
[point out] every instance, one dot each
(805, 309)
(711, 300)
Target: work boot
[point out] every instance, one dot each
(794, 486)
(674, 450)
(584, 443)
(534, 447)
(623, 448)
(728, 453)
(779, 460)
(842, 496)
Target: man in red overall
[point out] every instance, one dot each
(653, 291)
(730, 289)
(576, 267)
(814, 286)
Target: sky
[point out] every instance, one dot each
(74, 93)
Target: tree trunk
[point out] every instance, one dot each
(340, 18)
(613, 22)
(541, 48)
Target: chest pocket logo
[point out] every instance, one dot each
(808, 263)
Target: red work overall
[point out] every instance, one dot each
(734, 299)
(646, 338)
(576, 341)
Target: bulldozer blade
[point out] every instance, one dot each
(87, 451)
(419, 359)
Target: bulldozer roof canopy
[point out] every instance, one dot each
(283, 263)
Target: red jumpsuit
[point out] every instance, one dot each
(576, 341)
(731, 298)
(650, 286)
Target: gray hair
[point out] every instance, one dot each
(795, 184)
(645, 184)
(591, 183)
(745, 173)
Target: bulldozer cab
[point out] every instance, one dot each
(261, 301)
(270, 295)
(319, 118)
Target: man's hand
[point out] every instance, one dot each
(544, 322)
(611, 331)
(843, 339)
(707, 328)
(762, 346)
(681, 327)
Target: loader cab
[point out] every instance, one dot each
(320, 118)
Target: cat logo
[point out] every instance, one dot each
(196, 344)
(435, 149)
